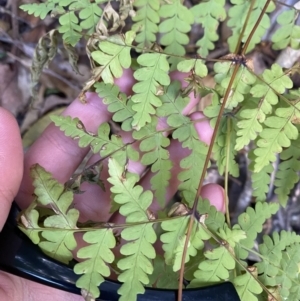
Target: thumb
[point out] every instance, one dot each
(11, 162)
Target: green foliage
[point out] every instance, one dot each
(71, 26)
(252, 221)
(208, 14)
(154, 146)
(146, 20)
(257, 115)
(247, 286)
(177, 21)
(113, 56)
(100, 143)
(174, 239)
(151, 77)
(138, 250)
(287, 174)
(97, 254)
(240, 87)
(163, 277)
(117, 103)
(237, 17)
(48, 192)
(217, 265)
(287, 34)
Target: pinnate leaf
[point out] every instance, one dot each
(96, 256)
(151, 77)
(112, 56)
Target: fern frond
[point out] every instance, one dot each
(153, 146)
(49, 192)
(192, 164)
(29, 225)
(217, 265)
(177, 23)
(71, 26)
(146, 20)
(237, 17)
(136, 266)
(97, 254)
(173, 104)
(288, 32)
(117, 103)
(175, 229)
(252, 221)
(241, 85)
(174, 240)
(277, 134)
(287, 174)
(288, 277)
(152, 77)
(271, 252)
(40, 10)
(196, 65)
(209, 14)
(246, 285)
(112, 56)
(274, 82)
(261, 181)
(163, 275)
(215, 219)
(100, 143)
(249, 126)
(224, 152)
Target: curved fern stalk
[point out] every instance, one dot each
(177, 23)
(153, 146)
(208, 14)
(152, 77)
(146, 20)
(238, 13)
(100, 143)
(139, 250)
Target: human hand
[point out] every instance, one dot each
(61, 155)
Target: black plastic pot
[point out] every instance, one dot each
(19, 256)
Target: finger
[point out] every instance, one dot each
(11, 162)
(57, 153)
(13, 288)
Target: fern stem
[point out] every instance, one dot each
(185, 248)
(205, 166)
(226, 172)
(238, 44)
(255, 27)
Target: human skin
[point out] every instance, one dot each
(61, 156)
